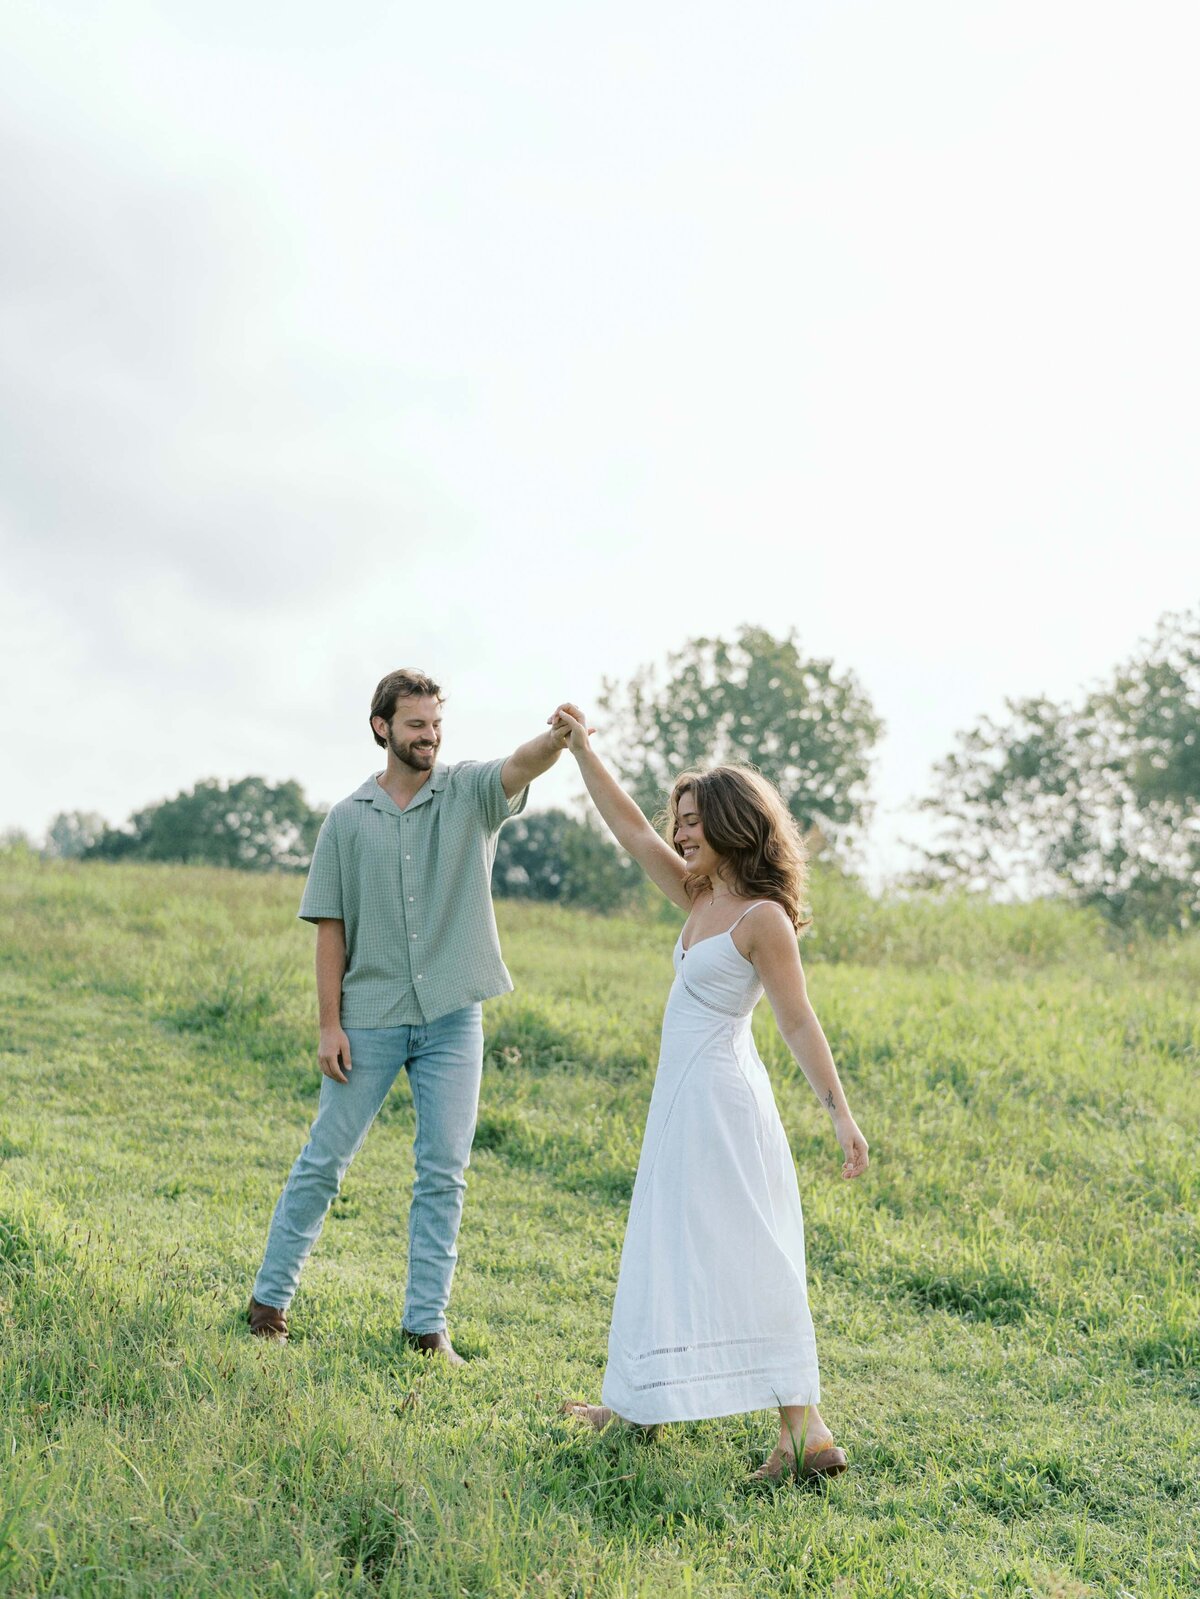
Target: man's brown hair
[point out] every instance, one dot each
(405, 684)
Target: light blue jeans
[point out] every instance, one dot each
(444, 1061)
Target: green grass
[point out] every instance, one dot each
(1007, 1305)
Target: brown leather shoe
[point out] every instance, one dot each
(266, 1321)
(434, 1343)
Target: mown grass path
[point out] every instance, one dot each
(1007, 1305)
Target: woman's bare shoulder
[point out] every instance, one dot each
(769, 930)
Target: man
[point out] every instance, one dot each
(400, 891)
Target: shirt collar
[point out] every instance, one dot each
(374, 795)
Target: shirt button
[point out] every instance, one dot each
(408, 857)
(410, 899)
(414, 935)
(419, 977)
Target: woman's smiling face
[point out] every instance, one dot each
(698, 854)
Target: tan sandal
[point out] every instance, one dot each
(825, 1460)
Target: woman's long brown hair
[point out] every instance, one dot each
(746, 822)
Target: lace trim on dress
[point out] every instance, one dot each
(707, 1003)
(710, 1376)
(682, 1349)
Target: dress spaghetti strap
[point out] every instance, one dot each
(747, 911)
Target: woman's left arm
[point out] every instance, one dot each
(770, 943)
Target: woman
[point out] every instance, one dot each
(711, 1314)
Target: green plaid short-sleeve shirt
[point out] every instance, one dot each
(413, 888)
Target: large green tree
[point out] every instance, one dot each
(1099, 798)
(250, 824)
(756, 699)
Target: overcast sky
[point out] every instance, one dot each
(521, 343)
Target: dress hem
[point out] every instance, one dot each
(712, 1410)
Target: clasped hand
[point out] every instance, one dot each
(569, 725)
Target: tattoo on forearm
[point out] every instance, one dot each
(829, 1100)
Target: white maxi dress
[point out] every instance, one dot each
(711, 1313)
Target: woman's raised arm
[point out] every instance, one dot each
(623, 817)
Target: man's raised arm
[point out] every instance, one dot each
(539, 755)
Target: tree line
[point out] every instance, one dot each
(1096, 799)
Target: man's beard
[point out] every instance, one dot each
(405, 754)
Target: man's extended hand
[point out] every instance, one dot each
(333, 1052)
(538, 756)
(562, 722)
(576, 728)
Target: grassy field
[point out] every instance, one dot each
(1007, 1305)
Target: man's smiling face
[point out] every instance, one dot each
(414, 734)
